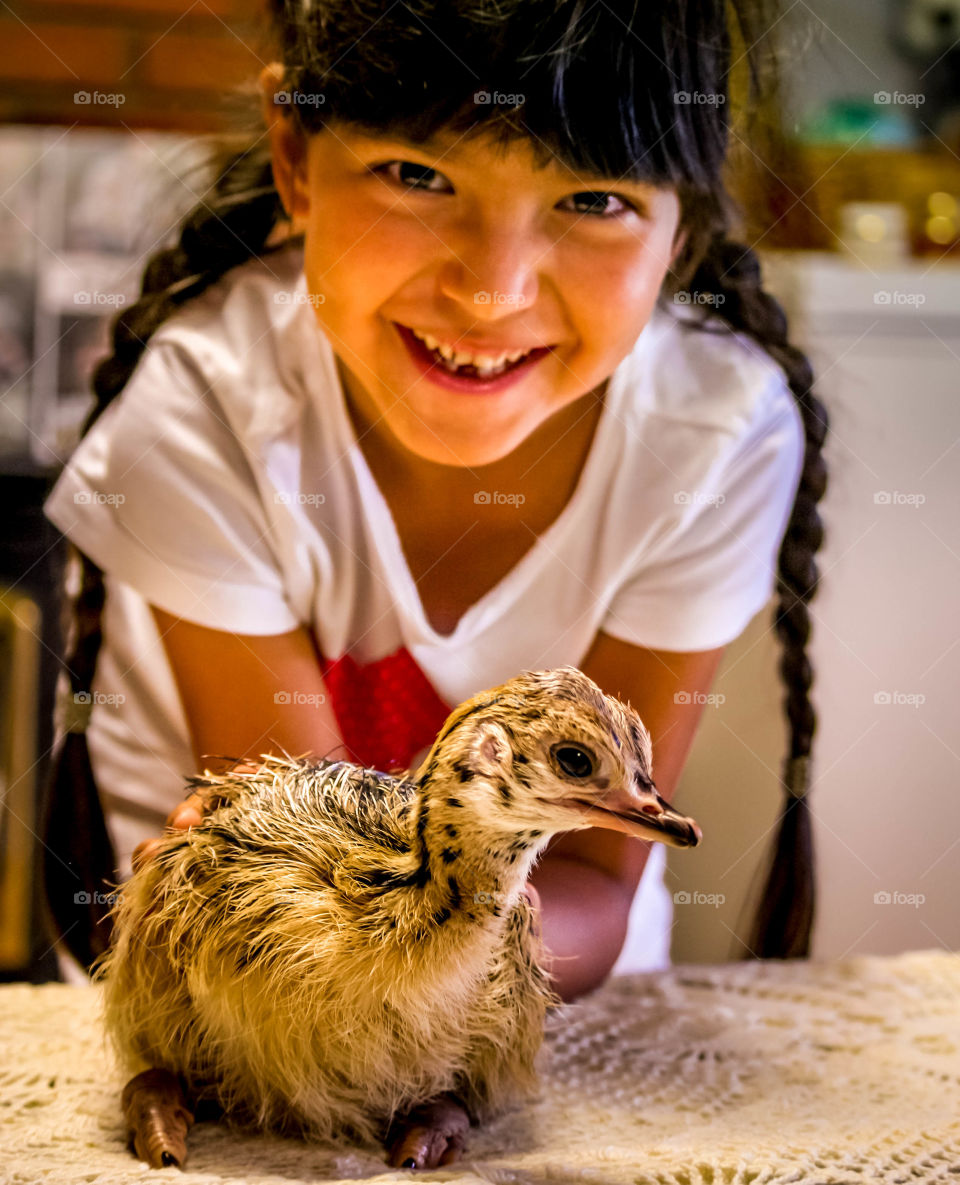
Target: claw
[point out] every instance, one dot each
(158, 1118)
(429, 1136)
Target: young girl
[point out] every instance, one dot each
(315, 507)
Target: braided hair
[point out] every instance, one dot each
(730, 271)
(608, 90)
(232, 222)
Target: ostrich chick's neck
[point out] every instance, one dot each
(467, 864)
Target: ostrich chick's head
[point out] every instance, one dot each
(549, 750)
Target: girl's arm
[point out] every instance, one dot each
(587, 879)
(244, 695)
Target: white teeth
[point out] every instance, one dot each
(484, 363)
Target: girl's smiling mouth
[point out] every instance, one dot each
(467, 377)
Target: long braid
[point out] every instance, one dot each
(714, 263)
(232, 222)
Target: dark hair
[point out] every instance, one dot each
(627, 89)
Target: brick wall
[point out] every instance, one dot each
(144, 63)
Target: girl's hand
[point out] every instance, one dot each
(186, 814)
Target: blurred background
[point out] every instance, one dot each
(850, 192)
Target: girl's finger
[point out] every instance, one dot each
(188, 813)
(145, 850)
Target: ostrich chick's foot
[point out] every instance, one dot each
(432, 1134)
(158, 1118)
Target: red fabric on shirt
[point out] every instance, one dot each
(387, 710)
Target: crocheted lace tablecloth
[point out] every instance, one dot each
(842, 1072)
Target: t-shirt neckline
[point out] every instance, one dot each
(387, 537)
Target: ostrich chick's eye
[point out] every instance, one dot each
(573, 760)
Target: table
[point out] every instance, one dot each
(831, 1073)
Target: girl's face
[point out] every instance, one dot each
(478, 248)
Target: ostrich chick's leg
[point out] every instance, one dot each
(433, 1133)
(158, 1118)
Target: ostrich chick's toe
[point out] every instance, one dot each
(158, 1118)
(432, 1134)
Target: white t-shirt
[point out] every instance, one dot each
(226, 486)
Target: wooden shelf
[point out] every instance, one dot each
(792, 194)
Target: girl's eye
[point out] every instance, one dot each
(414, 173)
(410, 175)
(592, 199)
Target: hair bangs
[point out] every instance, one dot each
(611, 90)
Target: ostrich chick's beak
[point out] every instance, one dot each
(641, 813)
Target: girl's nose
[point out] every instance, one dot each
(494, 275)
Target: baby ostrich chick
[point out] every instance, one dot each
(338, 952)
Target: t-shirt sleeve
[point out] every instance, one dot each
(161, 495)
(704, 582)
